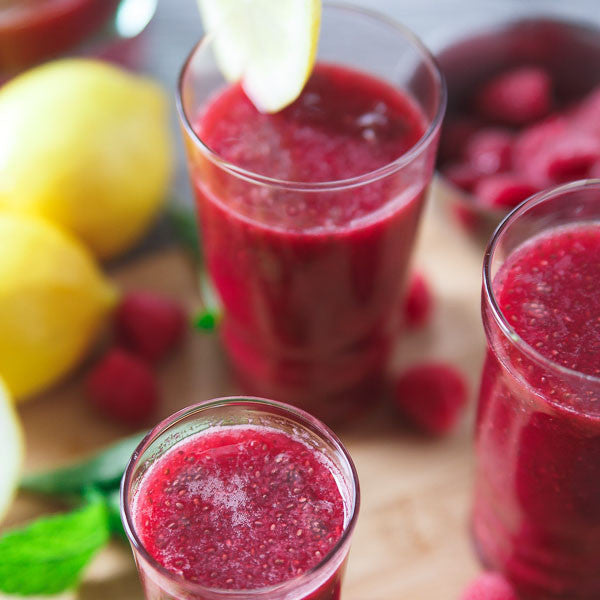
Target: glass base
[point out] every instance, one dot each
(335, 388)
(532, 562)
(342, 406)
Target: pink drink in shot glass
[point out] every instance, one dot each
(240, 498)
(537, 500)
(309, 216)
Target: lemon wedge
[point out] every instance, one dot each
(11, 450)
(268, 45)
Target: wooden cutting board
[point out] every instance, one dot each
(412, 537)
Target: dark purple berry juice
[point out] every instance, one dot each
(254, 499)
(537, 504)
(310, 268)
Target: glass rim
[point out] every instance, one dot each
(488, 291)
(333, 185)
(448, 40)
(298, 415)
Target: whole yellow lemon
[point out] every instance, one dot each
(86, 145)
(53, 301)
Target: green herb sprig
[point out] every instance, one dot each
(48, 556)
(185, 230)
(102, 471)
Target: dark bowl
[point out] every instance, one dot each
(569, 51)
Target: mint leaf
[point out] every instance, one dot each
(103, 471)
(49, 555)
(210, 316)
(206, 320)
(113, 504)
(185, 228)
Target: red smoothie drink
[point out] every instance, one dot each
(244, 509)
(310, 287)
(308, 219)
(537, 504)
(239, 508)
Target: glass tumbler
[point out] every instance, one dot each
(321, 582)
(311, 302)
(536, 513)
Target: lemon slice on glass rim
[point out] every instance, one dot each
(11, 450)
(270, 46)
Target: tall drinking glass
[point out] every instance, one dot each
(238, 499)
(309, 216)
(537, 499)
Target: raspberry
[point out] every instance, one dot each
(504, 191)
(571, 158)
(418, 302)
(462, 175)
(489, 150)
(595, 171)
(532, 142)
(489, 586)
(466, 216)
(431, 396)
(586, 115)
(516, 97)
(149, 325)
(556, 152)
(536, 137)
(123, 387)
(455, 135)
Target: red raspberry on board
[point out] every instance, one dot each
(489, 586)
(123, 387)
(149, 325)
(418, 302)
(431, 396)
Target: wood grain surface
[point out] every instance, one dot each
(412, 536)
